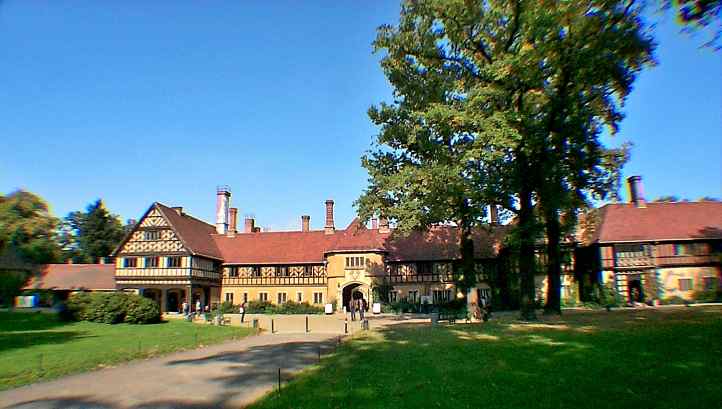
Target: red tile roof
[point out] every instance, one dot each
(75, 277)
(439, 243)
(194, 233)
(659, 222)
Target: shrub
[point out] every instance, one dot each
(140, 310)
(227, 307)
(609, 296)
(706, 296)
(291, 307)
(456, 306)
(675, 300)
(111, 308)
(258, 307)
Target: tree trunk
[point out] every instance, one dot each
(554, 284)
(526, 253)
(466, 246)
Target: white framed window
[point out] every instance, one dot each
(173, 261)
(229, 297)
(355, 262)
(129, 262)
(245, 297)
(281, 298)
(413, 295)
(263, 296)
(299, 296)
(151, 235)
(318, 298)
(684, 284)
(151, 262)
(393, 296)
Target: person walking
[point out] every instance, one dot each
(361, 304)
(243, 311)
(184, 308)
(199, 308)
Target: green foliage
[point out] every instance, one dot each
(10, 284)
(707, 296)
(227, 307)
(26, 225)
(609, 296)
(112, 308)
(289, 307)
(91, 234)
(674, 300)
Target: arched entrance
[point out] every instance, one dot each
(174, 299)
(355, 291)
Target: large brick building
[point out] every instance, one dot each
(171, 256)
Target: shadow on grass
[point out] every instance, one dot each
(19, 340)
(28, 321)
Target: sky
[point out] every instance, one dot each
(136, 102)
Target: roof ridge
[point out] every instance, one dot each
(184, 214)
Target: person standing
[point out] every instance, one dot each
(352, 309)
(199, 308)
(361, 309)
(184, 308)
(243, 311)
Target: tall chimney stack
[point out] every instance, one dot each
(249, 226)
(636, 191)
(384, 225)
(493, 215)
(223, 203)
(233, 216)
(330, 228)
(374, 223)
(305, 223)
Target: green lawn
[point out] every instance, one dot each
(35, 346)
(666, 358)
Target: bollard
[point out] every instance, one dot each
(345, 327)
(279, 381)
(273, 328)
(306, 323)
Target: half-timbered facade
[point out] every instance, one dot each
(659, 250)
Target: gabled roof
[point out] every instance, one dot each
(194, 233)
(74, 277)
(659, 222)
(283, 247)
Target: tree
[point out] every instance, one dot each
(92, 234)
(26, 224)
(667, 199)
(479, 88)
(27, 238)
(699, 15)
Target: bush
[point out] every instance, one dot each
(456, 306)
(706, 296)
(227, 307)
(675, 300)
(609, 297)
(289, 307)
(111, 308)
(140, 310)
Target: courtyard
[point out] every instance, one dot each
(663, 358)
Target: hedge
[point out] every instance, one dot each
(111, 308)
(289, 307)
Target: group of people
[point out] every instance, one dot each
(357, 305)
(481, 311)
(186, 309)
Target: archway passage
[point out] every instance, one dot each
(351, 290)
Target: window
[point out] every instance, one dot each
(299, 297)
(355, 262)
(413, 296)
(173, 261)
(151, 262)
(308, 271)
(483, 293)
(130, 262)
(318, 298)
(281, 298)
(425, 268)
(255, 271)
(685, 284)
(233, 271)
(245, 297)
(710, 283)
(441, 296)
(229, 297)
(263, 296)
(393, 296)
(680, 250)
(630, 250)
(282, 271)
(151, 235)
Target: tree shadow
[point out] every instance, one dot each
(19, 340)
(28, 321)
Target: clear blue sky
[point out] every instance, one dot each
(136, 102)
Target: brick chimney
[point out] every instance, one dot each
(493, 215)
(233, 217)
(384, 225)
(374, 223)
(223, 202)
(249, 225)
(330, 228)
(305, 223)
(636, 191)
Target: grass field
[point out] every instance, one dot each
(35, 346)
(664, 358)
